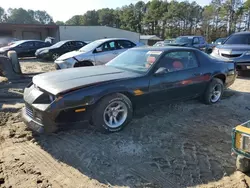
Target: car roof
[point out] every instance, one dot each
(109, 39)
(163, 48)
(30, 41)
(191, 36)
(242, 33)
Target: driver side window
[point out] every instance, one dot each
(107, 46)
(179, 60)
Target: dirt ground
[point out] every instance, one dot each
(179, 145)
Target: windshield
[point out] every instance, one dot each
(91, 46)
(136, 60)
(239, 39)
(59, 44)
(184, 40)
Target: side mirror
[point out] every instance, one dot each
(98, 49)
(161, 70)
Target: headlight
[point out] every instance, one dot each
(216, 51)
(247, 53)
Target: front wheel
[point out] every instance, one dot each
(242, 164)
(112, 113)
(214, 91)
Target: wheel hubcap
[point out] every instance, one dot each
(55, 56)
(216, 93)
(115, 114)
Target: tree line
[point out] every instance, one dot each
(167, 19)
(22, 16)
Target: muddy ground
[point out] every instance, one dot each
(186, 144)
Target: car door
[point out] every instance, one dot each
(183, 78)
(25, 49)
(65, 48)
(105, 52)
(31, 49)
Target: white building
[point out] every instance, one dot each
(91, 33)
(84, 33)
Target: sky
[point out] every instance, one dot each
(64, 9)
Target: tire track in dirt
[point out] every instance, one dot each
(46, 164)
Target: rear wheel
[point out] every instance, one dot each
(55, 56)
(112, 113)
(214, 91)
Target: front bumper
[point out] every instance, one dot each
(39, 125)
(42, 56)
(242, 63)
(32, 124)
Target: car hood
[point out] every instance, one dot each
(234, 47)
(70, 55)
(177, 44)
(61, 81)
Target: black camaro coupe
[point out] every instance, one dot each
(107, 95)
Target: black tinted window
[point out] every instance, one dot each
(27, 44)
(39, 44)
(125, 44)
(239, 39)
(79, 43)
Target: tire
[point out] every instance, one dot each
(12, 55)
(54, 56)
(105, 107)
(84, 64)
(214, 91)
(242, 164)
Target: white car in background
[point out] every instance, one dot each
(98, 52)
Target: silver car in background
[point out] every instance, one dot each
(98, 52)
(236, 48)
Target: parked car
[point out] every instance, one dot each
(98, 52)
(214, 44)
(24, 48)
(236, 48)
(58, 49)
(108, 94)
(164, 43)
(6, 41)
(198, 42)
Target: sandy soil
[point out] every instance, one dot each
(179, 145)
